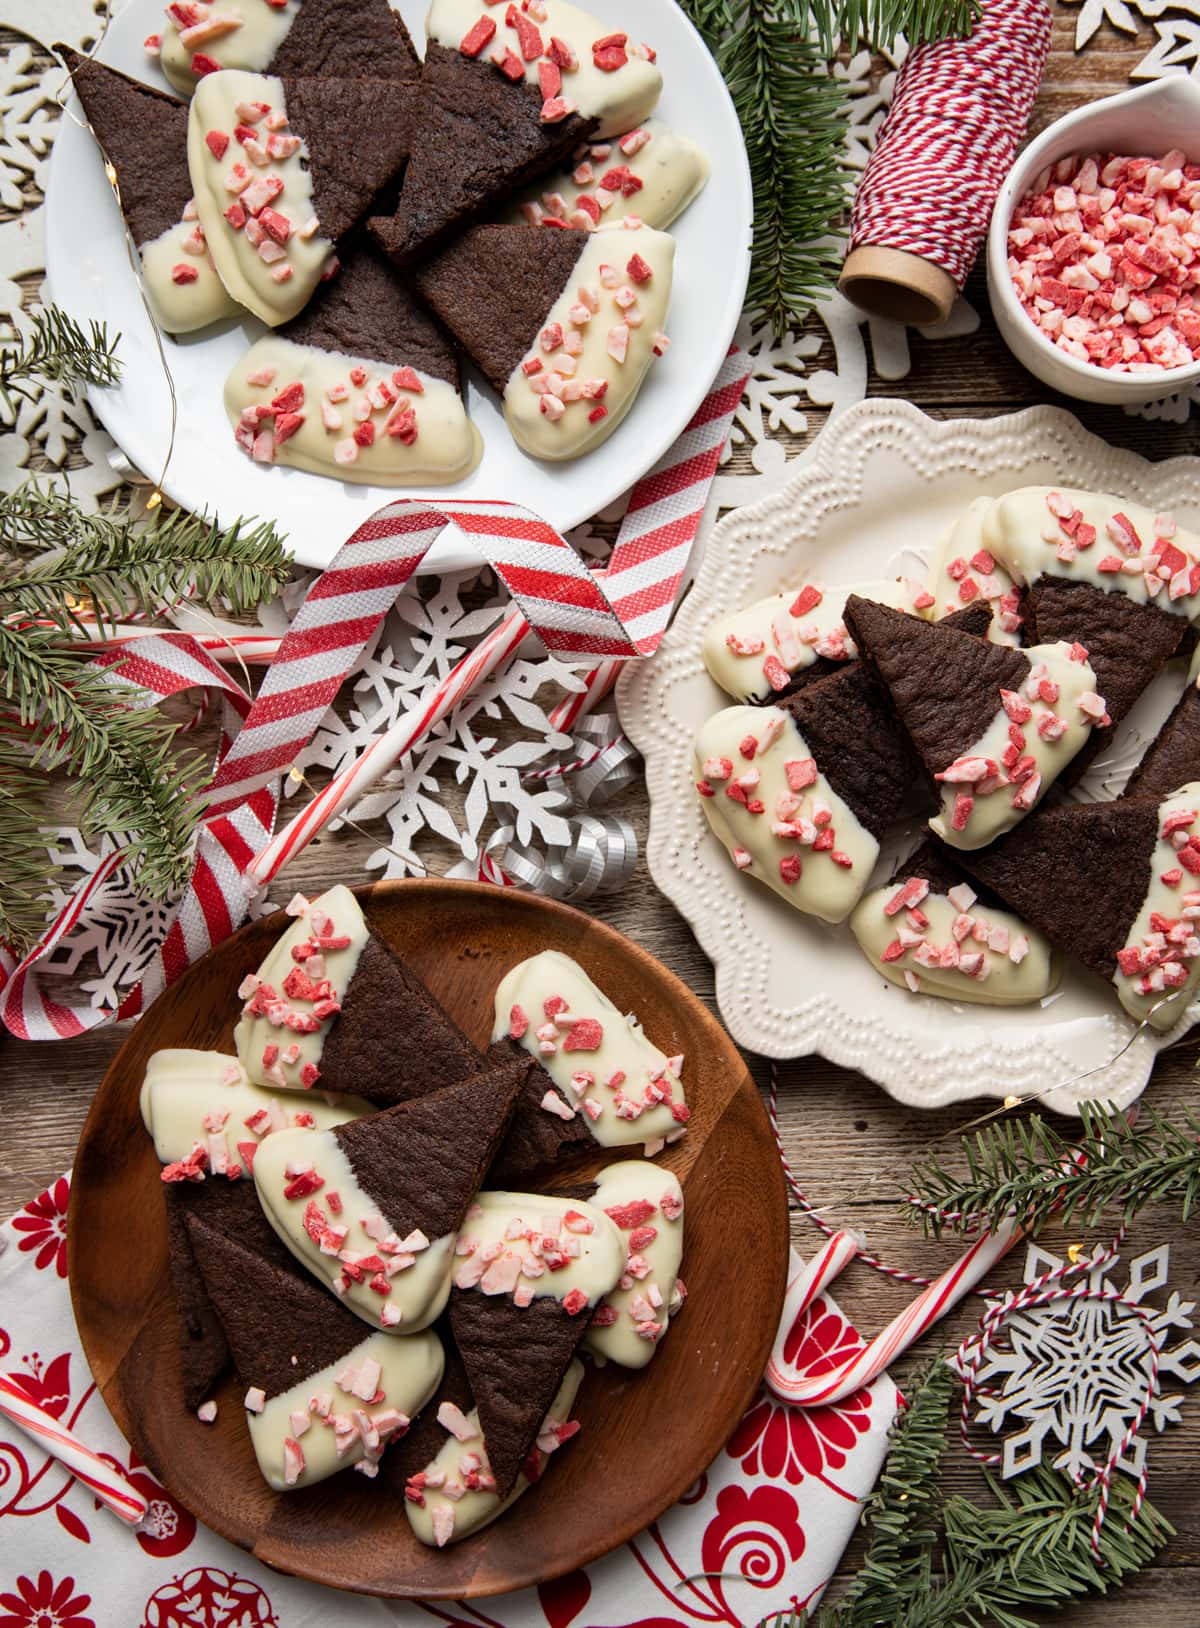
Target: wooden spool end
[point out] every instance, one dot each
(892, 283)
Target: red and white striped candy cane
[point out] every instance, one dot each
(932, 1304)
(109, 1485)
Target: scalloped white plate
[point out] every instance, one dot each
(90, 275)
(874, 496)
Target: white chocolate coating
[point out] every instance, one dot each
(1164, 956)
(1023, 532)
(410, 1371)
(506, 1238)
(826, 886)
(447, 445)
(672, 169)
(183, 1089)
(775, 635)
(617, 1114)
(261, 30)
(256, 1033)
(647, 1295)
(985, 956)
(182, 307)
(249, 278)
(619, 100)
(577, 428)
(962, 571)
(1008, 802)
(418, 1290)
(442, 1518)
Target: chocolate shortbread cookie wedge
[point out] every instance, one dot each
(1173, 757)
(322, 1394)
(281, 169)
(994, 726)
(372, 1208)
(1115, 884)
(364, 384)
(338, 39)
(531, 1270)
(143, 134)
(504, 98)
(545, 317)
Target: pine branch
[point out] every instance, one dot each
(1025, 1168)
(24, 872)
(57, 349)
(113, 567)
(772, 55)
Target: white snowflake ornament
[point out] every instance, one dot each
(1077, 1371)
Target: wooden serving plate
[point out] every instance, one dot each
(646, 1436)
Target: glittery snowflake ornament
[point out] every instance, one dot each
(1084, 1373)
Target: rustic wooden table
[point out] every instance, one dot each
(837, 1126)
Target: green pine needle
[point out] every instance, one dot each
(112, 567)
(1025, 1168)
(24, 870)
(773, 56)
(57, 349)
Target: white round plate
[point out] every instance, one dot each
(876, 493)
(89, 274)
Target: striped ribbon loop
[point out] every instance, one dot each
(579, 615)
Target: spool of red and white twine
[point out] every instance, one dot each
(921, 211)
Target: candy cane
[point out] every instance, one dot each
(930, 1306)
(597, 683)
(816, 1274)
(110, 1485)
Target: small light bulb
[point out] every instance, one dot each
(155, 498)
(1074, 1253)
(1012, 1102)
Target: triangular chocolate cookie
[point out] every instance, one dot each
(1077, 873)
(144, 136)
(994, 725)
(477, 137)
(281, 169)
(230, 1208)
(341, 39)
(535, 1138)
(975, 619)
(1173, 757)
(494, 287)
(363, 385)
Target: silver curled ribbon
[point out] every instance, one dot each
(601, 850)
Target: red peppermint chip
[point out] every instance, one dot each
(217, 142)
(575, 1302)
(474, 40)
(518, 1022)
(586, 1035)
(634, 1214)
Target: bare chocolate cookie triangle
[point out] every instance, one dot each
(352, 152)
(348, 39)
(1077, 873)
(477, 137)
(536, 1137)
(1173, 758)
(423, 1161)
(494, 287)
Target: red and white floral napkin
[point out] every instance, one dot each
(760, 1533)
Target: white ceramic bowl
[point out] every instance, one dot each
(1148, 122)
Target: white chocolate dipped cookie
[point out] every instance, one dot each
(574, 62)
(450, 1498)
(316, 1204)
(646, 1204)
(758, 650)
(777, 815)
(532, 1245)
(652, 172)
(602, 1062)
(348, 417)
(1094, 537)
(345, 1414)
(203, 1100)
(199, 38)
(948, 944)
(296, 992)
(181, 280)
(1159, 966)
(1032, 738)
(582, 374)
(254, 194)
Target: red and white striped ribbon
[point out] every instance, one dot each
(576, 613)
(110, 1486)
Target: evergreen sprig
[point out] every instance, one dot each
(101, 565)
(1025, 1168)
(934, 1561)
(57, 349)
(773, 56)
